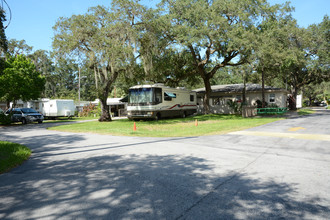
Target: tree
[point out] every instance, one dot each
(171, 67)
(45, 66)
(316, 92)
(269, 51)
(105, 39)
(17, 47)
(20, 80)
(3, 39)
(307, 59)
(3, 47)
(216, 33)
(66, 75)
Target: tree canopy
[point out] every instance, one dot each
(20, 80)
(105, 38)
(180, 43)
(216, 33)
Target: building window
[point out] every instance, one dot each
(192, 98)
(271, 98)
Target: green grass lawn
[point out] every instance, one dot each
(305, 111)
(12, 155)
(207, 125)
(66, 119)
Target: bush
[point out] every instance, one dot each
(5, 119)
(272, 106)
(90, 110)
(259, 104)
(235, 106)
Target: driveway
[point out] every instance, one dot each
(275, 171)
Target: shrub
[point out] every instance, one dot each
(90, 110)
(259, 104)
(235, 106)
(5, 119)
(273, 105)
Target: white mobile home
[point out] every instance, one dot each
(159, 101)
(52, 108)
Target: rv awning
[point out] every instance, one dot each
(172, 95)
(125, 99)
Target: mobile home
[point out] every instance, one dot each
(159, 101)
(52, 108)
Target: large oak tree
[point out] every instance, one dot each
(307, 57)
(105, 38)
(216, 33)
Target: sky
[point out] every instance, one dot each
(32, 20)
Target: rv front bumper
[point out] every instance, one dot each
(140, 114)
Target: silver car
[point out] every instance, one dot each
(25, 115)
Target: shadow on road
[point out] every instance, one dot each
(145, 187)
(64, 181)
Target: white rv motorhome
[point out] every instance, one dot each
(52, 108)
(158, 101)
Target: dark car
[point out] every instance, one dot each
(25, 115)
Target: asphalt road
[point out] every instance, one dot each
(276, 171)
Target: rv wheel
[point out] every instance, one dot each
(183, 114)
(157, 117)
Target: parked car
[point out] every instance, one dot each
(323, 103)
(25, 115)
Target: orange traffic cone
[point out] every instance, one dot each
(196, 123)
(134, 127)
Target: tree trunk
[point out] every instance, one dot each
(8, 104)
(105, 111)
(244, 89)
(96, 80)
(104, 91)
(310, 100)
(103, 96)
(206, 101)
(293, 105)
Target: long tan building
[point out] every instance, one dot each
(222, 93)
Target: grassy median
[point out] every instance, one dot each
(305, 111)
(179, 127)
(12, 155)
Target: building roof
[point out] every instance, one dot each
(236, 88)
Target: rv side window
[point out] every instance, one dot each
(168, 96)
(192, 98)
(158, 95)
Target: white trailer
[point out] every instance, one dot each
(52, 108)
(159, 101)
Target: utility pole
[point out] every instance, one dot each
(79, 86)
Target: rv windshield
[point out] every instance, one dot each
(141, 95)
(145, 96)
